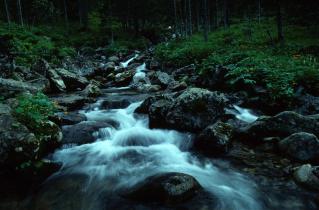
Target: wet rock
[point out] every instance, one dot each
(215, 139)
(178, 86)
(123, 79)
(301, 146)
(114, 59)
(305, 175)
(281, 125)
(168, 188)
(50, 138)
(92, 90)
(57, 83)
(72, 80)
(162, 79)
(115, 104)
(41, 67)
(82, 133)
(17, 143)
(71, 102)
(192, 110)
(67, 118)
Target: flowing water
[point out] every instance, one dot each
(126, 63)
(127, 154)
(242, 114)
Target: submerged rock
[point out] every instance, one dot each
(301, 146)
(167, 188)
(215, 139)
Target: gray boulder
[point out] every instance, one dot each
(215, 139)
(11, 88)
(72, 80)
(301, 146)
(192, 110)
(281, 125)
(57, 83)
(82, 133)
(306, 176)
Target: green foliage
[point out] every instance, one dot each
(28, 45)
(251, 54)
(33, 110)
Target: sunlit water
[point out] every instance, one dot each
(128, 154)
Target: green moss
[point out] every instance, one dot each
(33, 111)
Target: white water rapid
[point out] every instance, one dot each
(126, 155)
(126, 63)
(243, 114)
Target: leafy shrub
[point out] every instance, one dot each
(33, 110)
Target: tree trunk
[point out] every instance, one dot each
(279, 23)
(7, 11)
(175, 17)
(66, 17)
(198, 15)
(205, 21)
(226, 14)
(259, 11)
(20, 12)
(190, 21)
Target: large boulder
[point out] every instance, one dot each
(192, 110)
(11, 88)
(19, 145)
(83, 133)
(282, 125)
(162, 79)
(57, 83)
(167, 188)
(124, 78)
(115, 104)
(307, 176)
(301, 146)
(72, 80)
(215, 139)
(92, 90)
(71, 102)
(67, 118)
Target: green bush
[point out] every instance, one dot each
(34, 110)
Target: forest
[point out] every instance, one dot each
(159, 104)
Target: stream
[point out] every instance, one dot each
(124, 156)
(94, 176)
